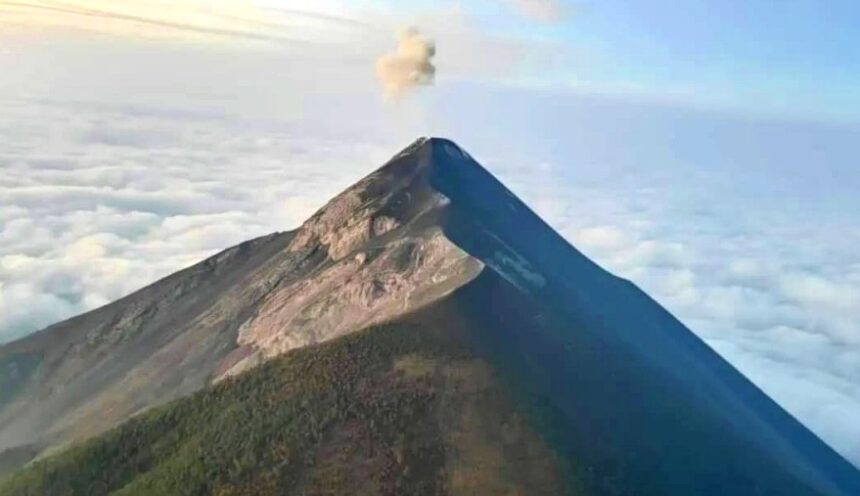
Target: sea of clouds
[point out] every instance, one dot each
(112, 176)
(98, 202)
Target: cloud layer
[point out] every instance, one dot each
(118, 197)
(113, 174)
(114, 200)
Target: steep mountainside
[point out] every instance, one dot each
(342, 270)
(567, 375)
(78, 377)
(402, 408)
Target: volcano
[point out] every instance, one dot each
(423, 333)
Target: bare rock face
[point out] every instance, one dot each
(353, 292)
(394, 195)
(343, 224)
(385, 256)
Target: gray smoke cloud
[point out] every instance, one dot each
(409, 66)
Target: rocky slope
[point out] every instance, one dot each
(79, 377)
(344, 269)
(616, 395)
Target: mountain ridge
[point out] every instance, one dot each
(625, 390)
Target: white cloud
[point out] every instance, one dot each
(599, 237)
(813, 290)
(87, 221)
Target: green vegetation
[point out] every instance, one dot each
(397, 409)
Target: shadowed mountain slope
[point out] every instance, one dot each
(612, 394)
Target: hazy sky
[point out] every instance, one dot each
(707, 150)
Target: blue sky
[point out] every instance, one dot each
(799, 58)
(796, 59)
(706, 150)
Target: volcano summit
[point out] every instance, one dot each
(423, 333)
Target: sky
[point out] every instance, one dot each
(706, 150)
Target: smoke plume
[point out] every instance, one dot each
(410, 65)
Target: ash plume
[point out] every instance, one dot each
(409, 66)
